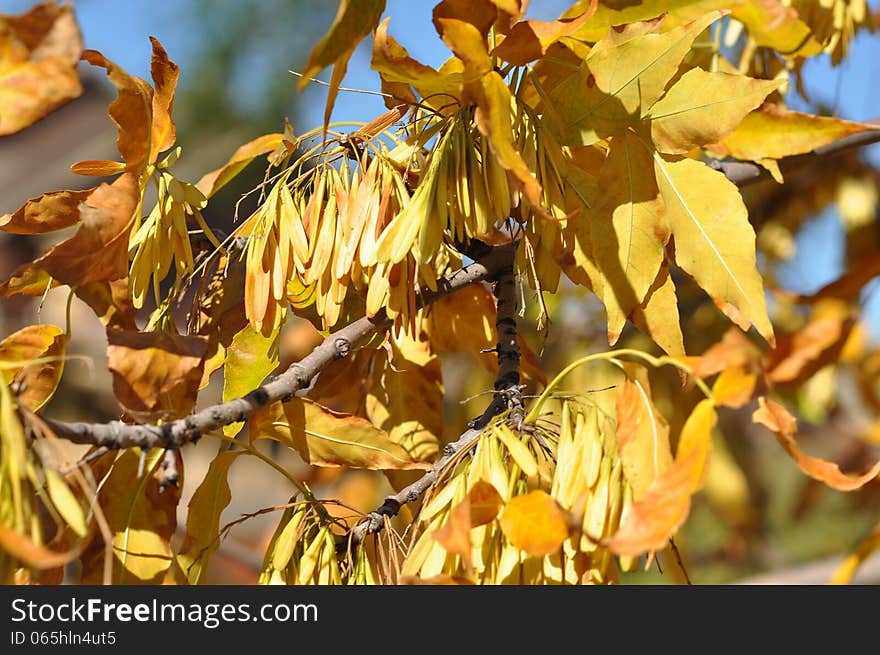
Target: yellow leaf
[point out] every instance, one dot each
(354, 20)
(702, 107)
(658, 316)
(772, 132)
(610, 14)
(323, 437)
(735, 386)
(714, 241)
(774, 24)
(65, 502)
(623, 76)
(777, 419)
(848, 567)
(38, 381)
(141, 519)
(519, 452)
(627, 230)
(650, 522)
(534, 523)
(455, 534)
(530, 40)
(249, 359)
(215, 180)
(203, 518)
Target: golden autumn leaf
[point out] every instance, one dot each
(714, 241)
(141, 518)
(485, 503)
(650, 522)
(45, 213)
(38, 55)
(701, 107)
(323, 437)
(38, 380)
(534, 523)
(781, 423)
(610, 14)
(244, 155)
(627, 230)
(642, 433)
(155, 374)
(98, 252)
(354, 20)
(775, 24)
(111, 302)
(773, 132)
(622, 77)
(165, 74)
(26, 550)
(203, 518)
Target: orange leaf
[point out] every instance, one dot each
(777, 419)
(642, 433)
(38, 55)
(485, 503)
(155, 374)
(45, 213)
(800, 354)
(165, 74)
(215, 180)
(97, 167)
(455, 535)
(650, 522)
(479, 14)
(530, 40)
(535, 523)
(99, 249)
(38, 380)
(25, 550)
(111, 302)
(131, 111)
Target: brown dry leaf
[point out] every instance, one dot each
(800, 354)
(98, 252)
(38, 381)
(734, 349)
(25, 550)
(215, 180)
(131, 111)
(642, 432)
(651, 521)
(38, 55)
(45, 213)
(780, 422)
(165, 74)
(141, 518)
(455, 534)
(111, 302)
(323, 437)
(156, 375)
(535, 523)
(529, 40)
(354, 20)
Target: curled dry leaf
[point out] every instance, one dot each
(37, 381)
(38, 55)
(781, 423)
(156, 375)
(45, 213)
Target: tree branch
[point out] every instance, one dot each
(508, 396)
(116, 435)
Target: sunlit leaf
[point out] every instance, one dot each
(535, 523)
(215, 180)
(658, 316)
(165, 74)
(249, 359)
(714, 241)
(529, 40)
(45, 213)
(455, 534)
(776, 25)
